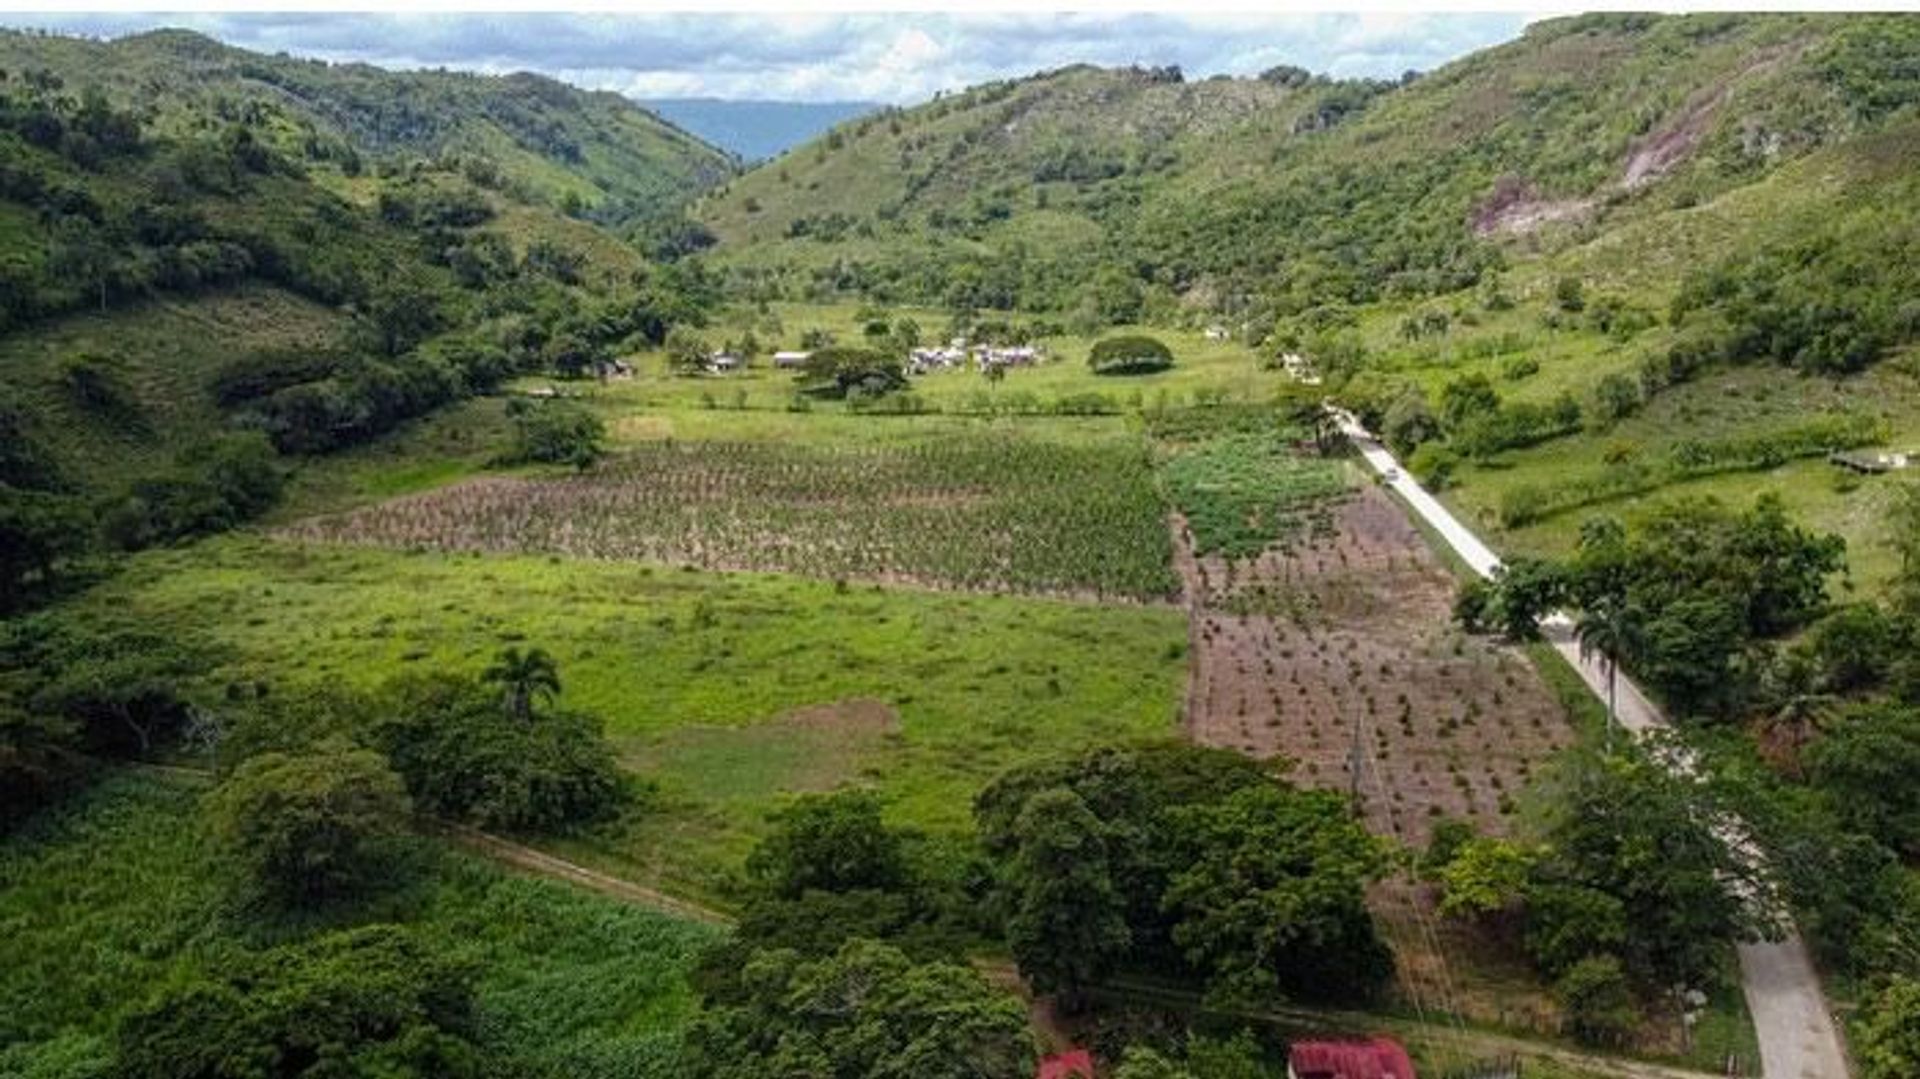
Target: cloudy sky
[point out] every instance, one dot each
(897, 58)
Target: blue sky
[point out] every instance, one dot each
(897, 58)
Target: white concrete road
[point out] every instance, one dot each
(1798, 1036)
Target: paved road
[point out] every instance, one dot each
(1798, 1036)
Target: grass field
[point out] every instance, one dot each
(729, 690)
(1218, 368)
(566, 983)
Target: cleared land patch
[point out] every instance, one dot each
(989, 510)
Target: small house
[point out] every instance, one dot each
(721, 363)
(785, 360)
(1217, 333)
(1361, 1058)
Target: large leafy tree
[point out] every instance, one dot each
(366, 1002)
(1272, 896)
(462, 756)
(830, 842)
(1889, 1044)
(306, 828)
(1629, 828)
(867, 1010)
(1067, 926)
(1866, 767)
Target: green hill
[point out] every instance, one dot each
(1099, 191)
(196, 282)
(540, 140)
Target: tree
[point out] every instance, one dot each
(463, 757)
(1485, 876)
(840, 371)
(1889, 1039)
(831, 842)
(40, 532)
(1569, 294)
(311, 827)
(867, 1010)
(367, 1001)
(1611, 631)
(1865, 767)
(555, 432)
(1271, 897)
(522, 677)
(1598, 1002)
(1467, 397)
(1131, 354)
(399, 312)
(39, 758)
(687, 351)
(1628, 827)
(1068, 925)
(1615, 398)
(1408, 422)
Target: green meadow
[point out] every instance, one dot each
(729, 691)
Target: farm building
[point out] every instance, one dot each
(1873, 462)
(791, 359)
(1369, 1058)
(1017, 356)
(1217, 333)
(722, 362)
(922, 360)
(1073, 1064)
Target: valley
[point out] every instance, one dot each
(495, 585)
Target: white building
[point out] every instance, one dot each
(791, 359)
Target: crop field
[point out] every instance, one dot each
(727, 691)
(996, 510)
(1297, 649)
(565, 983)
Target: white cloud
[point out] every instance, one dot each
(898, 58)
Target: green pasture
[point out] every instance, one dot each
(698, 675)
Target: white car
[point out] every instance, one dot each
(1391, 475)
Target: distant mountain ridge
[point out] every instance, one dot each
(757, 130)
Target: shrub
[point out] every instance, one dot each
(1599, 1004)
(1132, 354)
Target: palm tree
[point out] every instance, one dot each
(522, 676)
(1612, 630)
(1803, 707)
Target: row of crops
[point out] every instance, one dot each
(1242, 493)
(992, 511)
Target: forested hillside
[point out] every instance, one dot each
(592, 154)
(204, 275)
(1112, 192)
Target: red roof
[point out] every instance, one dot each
(1077, 1064)
(1373, 1058)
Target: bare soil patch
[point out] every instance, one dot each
(1342, 647)
(1346, 639)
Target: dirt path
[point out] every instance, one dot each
(540, 863)
(522, 857)
(1799, 1038)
